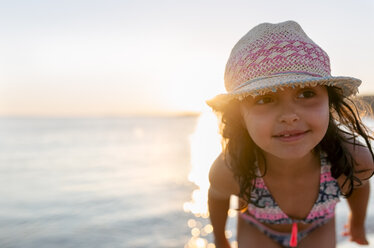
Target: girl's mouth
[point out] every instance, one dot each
(290, 135)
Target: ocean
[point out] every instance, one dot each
(111, 182)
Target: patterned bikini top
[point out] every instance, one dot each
(263, 207)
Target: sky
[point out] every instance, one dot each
(117, 58)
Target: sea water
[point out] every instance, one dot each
(109, 182)
(94, 182)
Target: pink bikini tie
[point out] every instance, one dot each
(293, 240)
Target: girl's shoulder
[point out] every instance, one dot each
(363, 162)
(221, 178)
(362, 157)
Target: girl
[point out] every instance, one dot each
(293, 142)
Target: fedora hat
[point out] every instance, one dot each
(274, 56)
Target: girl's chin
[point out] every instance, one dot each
(291, 155)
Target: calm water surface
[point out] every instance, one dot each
(95, 182)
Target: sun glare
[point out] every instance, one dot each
(205, 147)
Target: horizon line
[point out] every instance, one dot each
(130, 115)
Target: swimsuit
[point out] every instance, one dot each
(263, 208)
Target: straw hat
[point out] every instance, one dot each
(273, 56)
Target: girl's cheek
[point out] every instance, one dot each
(322, 110)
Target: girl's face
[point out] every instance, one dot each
(289, 123)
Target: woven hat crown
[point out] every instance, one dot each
(273, 49)
(273, 56)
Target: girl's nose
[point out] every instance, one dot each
(289, 118)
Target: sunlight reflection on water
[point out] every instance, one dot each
(205, 147)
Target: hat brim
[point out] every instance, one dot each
(349, 86)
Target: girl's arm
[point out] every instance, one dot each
(222, 186)
(358, 201)
(218, 214)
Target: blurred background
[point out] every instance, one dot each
(105, 138)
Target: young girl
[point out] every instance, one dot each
(293, 143)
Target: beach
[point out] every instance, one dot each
(111, 182)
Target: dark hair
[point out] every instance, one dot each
(345, 126)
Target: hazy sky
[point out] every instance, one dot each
(84, 57)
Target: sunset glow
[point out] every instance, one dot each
(111, 58)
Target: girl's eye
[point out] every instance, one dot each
(306, 94)
(264, 100)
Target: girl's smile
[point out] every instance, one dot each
(289, 123)
(290, 136)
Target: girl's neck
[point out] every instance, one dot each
(290, 167)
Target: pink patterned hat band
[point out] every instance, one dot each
(273, 56)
